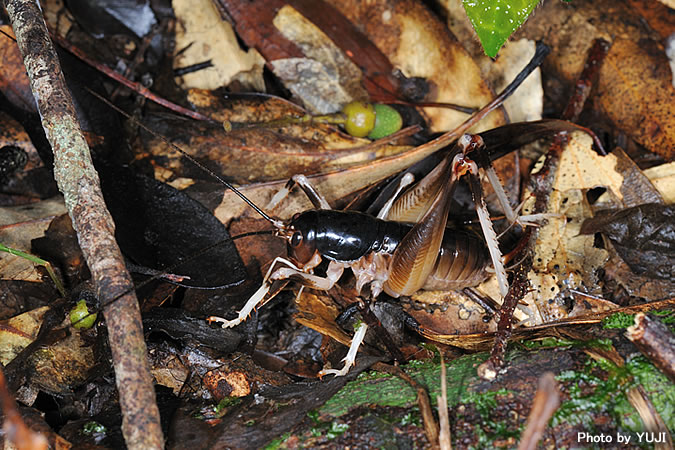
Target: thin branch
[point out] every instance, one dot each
(79, 183)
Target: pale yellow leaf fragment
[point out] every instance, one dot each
(564, 260)
(201, 35)
(663, 179)
(19, 331)
(582, 168)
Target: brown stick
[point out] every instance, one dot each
(15, 429)
(655, 341)
(79, 183)
(545, 403)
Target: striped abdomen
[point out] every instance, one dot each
(461, 262)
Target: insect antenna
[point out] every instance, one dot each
(172, 268)
(278, 224)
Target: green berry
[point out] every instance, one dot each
(360, 118)
(387, 121)
(80, 317)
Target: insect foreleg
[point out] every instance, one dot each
(333, 274)
(309, 280)
(255, 299)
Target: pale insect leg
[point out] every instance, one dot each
(510, 213)
(357, 340)
(314, 196)
(255, 299)
(471, 168)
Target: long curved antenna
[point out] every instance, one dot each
(275, 222)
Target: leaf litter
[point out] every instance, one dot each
(577, 257)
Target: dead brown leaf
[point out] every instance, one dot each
(420, 45)
(636, 92)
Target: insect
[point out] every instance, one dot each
(386, 252)
(404, 248)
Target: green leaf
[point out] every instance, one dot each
(495, 20)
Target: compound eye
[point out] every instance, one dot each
(296, 239)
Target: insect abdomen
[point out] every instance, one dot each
(461, 263)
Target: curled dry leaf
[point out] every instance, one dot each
(201, 36)
(248, 155)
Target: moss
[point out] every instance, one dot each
(667, 317)
(552, 342)
(490, 431)
(278, 442)
(600, 387)
(386, 390)
(226, 403)
(660, 389)
(618, 320)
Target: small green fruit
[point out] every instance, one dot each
(387, 121)
(80, 316)
(360, 118)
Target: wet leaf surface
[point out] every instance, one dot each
(644, 236)
(160, 227)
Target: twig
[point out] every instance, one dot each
(133, 85)
(430, 424)
(15, 429)
(444, 440)
(655, 341)
(545, 403)
(79, 183)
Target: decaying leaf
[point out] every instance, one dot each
(248, 155)
(636, 97)
(564, 260)
(19, 331)
(201, 36)
(14, 82)
(64, 365)
(639, 97)
(663, 179)
(325, 79)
